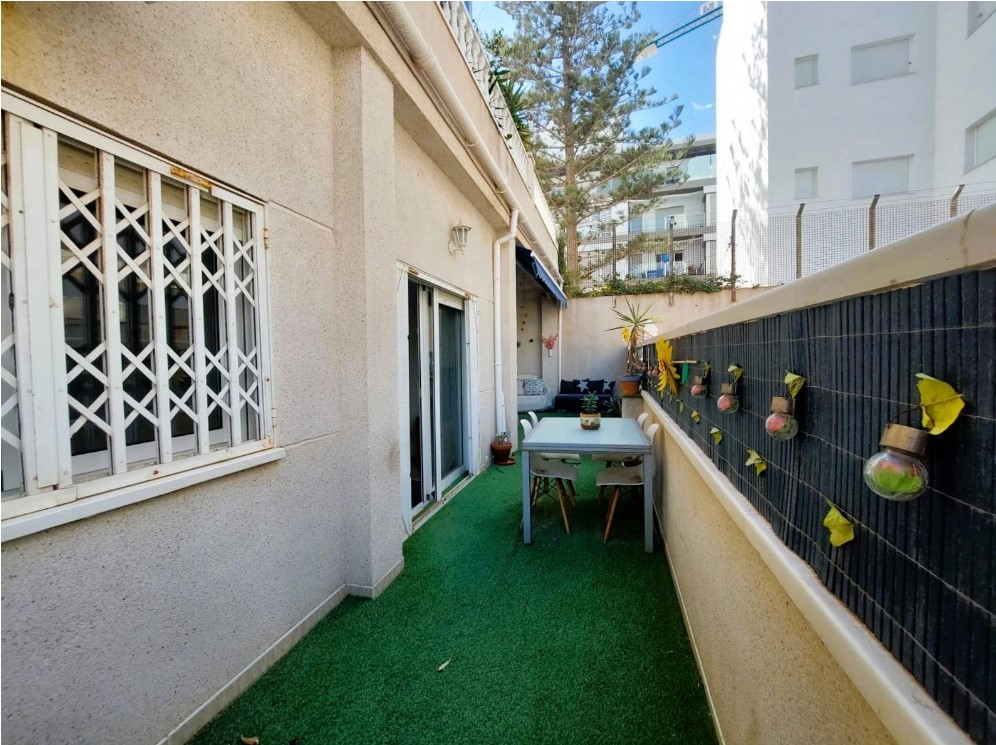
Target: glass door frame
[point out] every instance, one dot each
(441, 297)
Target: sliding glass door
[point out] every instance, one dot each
(437, 391)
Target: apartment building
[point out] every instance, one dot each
(683, 211)
(824, 107)
(259, 274)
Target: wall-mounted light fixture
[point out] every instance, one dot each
(458, 238)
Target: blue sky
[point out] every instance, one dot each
(686, 66)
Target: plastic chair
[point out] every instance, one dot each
(623, 476)
(562, 475)
(626, 458)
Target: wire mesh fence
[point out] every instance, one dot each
(764, 248)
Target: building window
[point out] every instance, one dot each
(980, 141)
(978, 12)
(881, 176)
(805, 183)
(806, 71)
(881, 60)
(152, 359)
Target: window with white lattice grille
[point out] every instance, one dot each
(134, 331)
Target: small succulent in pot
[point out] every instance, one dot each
(589, 403)
(591, 418)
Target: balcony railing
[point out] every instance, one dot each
(470, 44)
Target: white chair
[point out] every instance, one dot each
(566, 457)
(627, 458)
(542, 469)
(620, 477)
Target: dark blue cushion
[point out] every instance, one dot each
(569, 386)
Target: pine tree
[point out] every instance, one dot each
(576, 61)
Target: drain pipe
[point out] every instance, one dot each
(426, 59)
(499, 388)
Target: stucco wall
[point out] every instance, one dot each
(132, 619)
(771, 680)
(591, 351)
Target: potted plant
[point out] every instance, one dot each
(501, 450)
(591, 418)
(635, 320)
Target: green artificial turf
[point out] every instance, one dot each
(565, 640)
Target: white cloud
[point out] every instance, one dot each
(702, 106)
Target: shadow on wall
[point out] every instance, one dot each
(749, 168)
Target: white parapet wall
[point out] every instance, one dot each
(783, 660)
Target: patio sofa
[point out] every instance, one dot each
(532, 394)
(571, 392)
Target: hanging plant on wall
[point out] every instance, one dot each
(699, 387)
(897, 472)
(717, 436)
(728, 403)
(781, 424)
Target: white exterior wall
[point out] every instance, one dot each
(767, 128)
(834, 123)
(742, 179)
(131, 620)
(966, 92)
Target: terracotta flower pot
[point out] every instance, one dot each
(591, 421)
(500, 452)
(629, 385)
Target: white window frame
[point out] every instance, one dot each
(907, 70)
(56, 487)
(909, 173)
(972, 160)
(815, 173)
(809, 58)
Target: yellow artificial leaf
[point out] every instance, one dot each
(737, 372)
(696, 416)
(794, 383)
(755, 460)
(841, 530)
(669, 374)
(443, 666)
(941, 404)
(681, 407)
(717, 436)
(706, 367)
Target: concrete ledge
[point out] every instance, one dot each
(902, 705)
(251, 672)
(910, 261)
(365, 591)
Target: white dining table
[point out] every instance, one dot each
(565, 435)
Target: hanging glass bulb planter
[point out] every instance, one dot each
(727, 401)
(698, 389)
(781, 424)
(897, 472)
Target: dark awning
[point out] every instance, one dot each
(531, 265)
